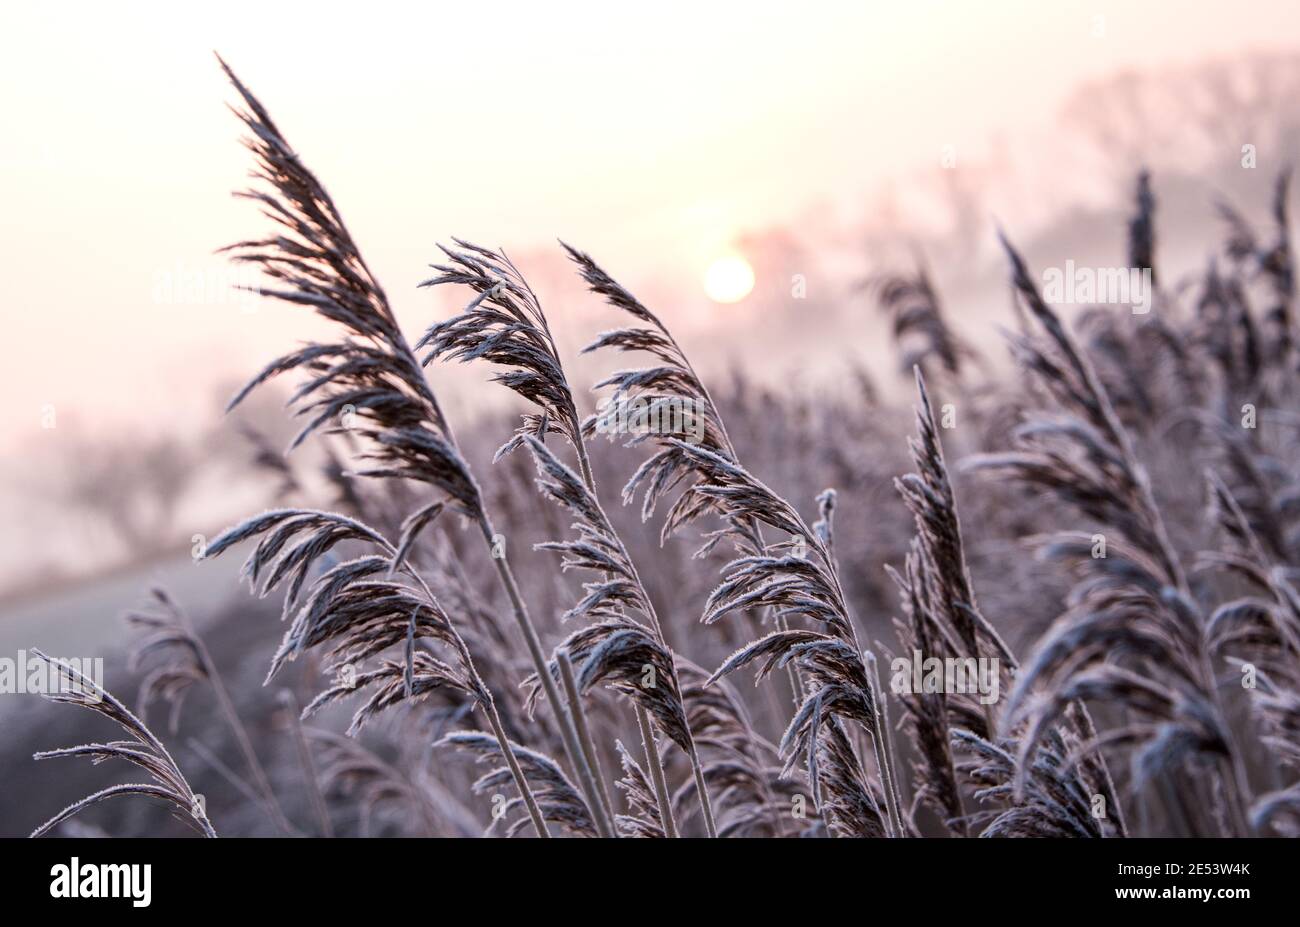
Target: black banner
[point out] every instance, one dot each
(928, 878)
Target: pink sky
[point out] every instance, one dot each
(651, 137)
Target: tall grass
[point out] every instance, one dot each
(1157, 694)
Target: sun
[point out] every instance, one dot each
(729, 279)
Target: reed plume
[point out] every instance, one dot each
(179, 658)
(922, 336)
(560, 800)
(1272, 260)
(505, 325)
(763, 577)
(373, 785)
(1142, 227)
(143, 749)
(1133, 603)
(367, 382)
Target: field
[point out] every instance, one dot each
(1054, 598)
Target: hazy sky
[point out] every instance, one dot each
(650, 135)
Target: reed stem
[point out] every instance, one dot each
(597, 796)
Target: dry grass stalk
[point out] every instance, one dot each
(505, 325)
(351, 770)
(370, 375)
(922, 335)
(560, 800)
(1135, 632)
(143, 749)
(1136, 600)
(764, 576)
(186, 660)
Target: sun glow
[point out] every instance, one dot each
(729, 279)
